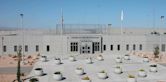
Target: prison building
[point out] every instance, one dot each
(81, 39)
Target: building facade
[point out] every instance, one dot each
(81, 39)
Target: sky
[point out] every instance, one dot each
(47, 13)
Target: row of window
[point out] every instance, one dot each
(127, 47)
(16, 48)
(74, 47)
(25, 48)
(119, 47)
(163, 47)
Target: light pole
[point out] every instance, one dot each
(22, 15)
(161, 18)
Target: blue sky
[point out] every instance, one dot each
(47, 13)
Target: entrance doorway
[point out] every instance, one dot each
(86, 48)
(89, 47)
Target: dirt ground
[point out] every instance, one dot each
(150, 55)
(10, 61)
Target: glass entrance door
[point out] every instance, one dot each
(86, 48)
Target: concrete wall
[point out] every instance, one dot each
(123, 41)
(59, 45)
(155, 40)
(11, 41)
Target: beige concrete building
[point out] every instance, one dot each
(81, 39)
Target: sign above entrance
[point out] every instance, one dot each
(85, 37)
(86, 40)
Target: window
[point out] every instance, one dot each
(118, 47)
(48, 48)
(134, 47)
(104, 47)
(73, 46)
(37, 48)
(15, 48)
(140, 47)
(111, 47)
(127, 47)
(163, 47)
(96, 46)
(26, 48)
(4, 49)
